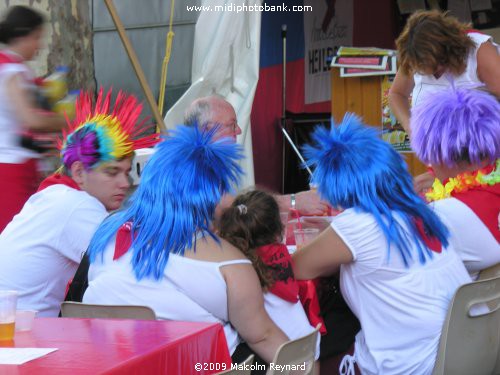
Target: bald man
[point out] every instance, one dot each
(213, 111)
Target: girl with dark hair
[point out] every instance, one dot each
(252, 224)
(21, 30)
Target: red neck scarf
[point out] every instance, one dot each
(277, 257)
(485, 202)
(9, 58)
(58, 179)
(123, 240)
(431, 242)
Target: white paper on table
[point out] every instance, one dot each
(18, 356)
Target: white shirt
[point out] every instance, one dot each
(473, 241)
(41, 248)
(190, 290)
(10, 126)
(401, 310)
(426, 84)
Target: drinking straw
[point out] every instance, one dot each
(296, 213)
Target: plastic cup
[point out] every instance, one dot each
(284, 222)
(8, 304)
(24, 319)
(304, 235)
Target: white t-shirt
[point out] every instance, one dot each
(41, 248)
(10, 127)
(401, 310)
(469, 236)
(290, 317)
(426, 84)
(190, 290)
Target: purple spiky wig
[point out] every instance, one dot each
(456, 125)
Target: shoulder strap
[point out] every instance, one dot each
(235, 261)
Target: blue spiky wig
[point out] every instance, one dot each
(180, 187)
(355, 168)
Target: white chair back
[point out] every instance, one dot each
(83, 310)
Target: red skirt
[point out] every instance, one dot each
(19, 182)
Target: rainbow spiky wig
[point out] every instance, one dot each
(355, 168)
(456, 125)
(98, 135)
(180, 187)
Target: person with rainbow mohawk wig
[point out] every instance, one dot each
(161, 251)
(41, 248)
(458, 132)
(397, 272)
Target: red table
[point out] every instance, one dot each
(112, 346)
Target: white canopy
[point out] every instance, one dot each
(225, 61)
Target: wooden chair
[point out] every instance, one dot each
(246, 369)
(296, 352)
(470, 340)
(83, 310)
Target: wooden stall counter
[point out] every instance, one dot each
(363, 96)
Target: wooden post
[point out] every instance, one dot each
(135, 64)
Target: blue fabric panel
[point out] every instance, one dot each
(271, 43)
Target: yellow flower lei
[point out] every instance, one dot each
(463, 182)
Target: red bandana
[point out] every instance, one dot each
(12, 58)
(123, 240)
(7, 58)
(58, 179)
(277, 257)
(485, 202)
(431, 242)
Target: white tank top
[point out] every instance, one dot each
(426, 84)
(190, 290)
